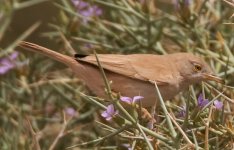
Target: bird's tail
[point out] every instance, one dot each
(69, 61)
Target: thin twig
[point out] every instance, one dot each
(34, 135)
(181, 131)
(171, 128)
(61, 133)
(207, 129)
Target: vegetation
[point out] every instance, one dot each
(44, 106)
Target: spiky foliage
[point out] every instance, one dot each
(43, 106)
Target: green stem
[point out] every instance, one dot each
(169, 122)
(104, 77)
(145, 137)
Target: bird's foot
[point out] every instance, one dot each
(148, 117)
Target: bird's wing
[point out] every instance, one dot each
(138, 66)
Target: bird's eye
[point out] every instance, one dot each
(197, 67)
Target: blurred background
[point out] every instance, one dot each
(40, 102)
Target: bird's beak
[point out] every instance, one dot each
(213, 78)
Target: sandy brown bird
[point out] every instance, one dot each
(131, 75)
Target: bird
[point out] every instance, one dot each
(135, 74)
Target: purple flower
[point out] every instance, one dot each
(110, 112)
(187, 2)
(88, 46)
(201, 101)
(8, 63)
(79, 4)
(218, 104)
(86, 10)
(70, 111)
(128, 146)
(131, 100)
(142, 1)
(184, 3)
(182, 112)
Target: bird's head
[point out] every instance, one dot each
(194, 68)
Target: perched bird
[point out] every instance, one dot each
(133, 74)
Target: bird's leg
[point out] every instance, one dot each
(153, 120)
(149, 117)
(145, 114)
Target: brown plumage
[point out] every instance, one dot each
(133, 74)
